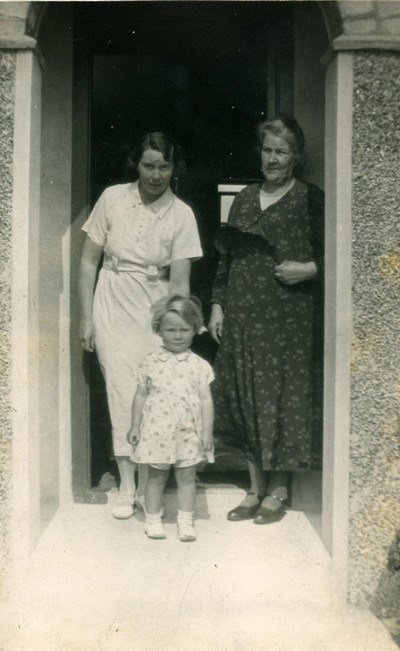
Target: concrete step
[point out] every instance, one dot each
(96, 583)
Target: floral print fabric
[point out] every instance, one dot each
(171, 425)
(264, 390)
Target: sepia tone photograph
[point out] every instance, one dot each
(200, 290)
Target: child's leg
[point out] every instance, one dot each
(153, 495)
(186, 481)
(154, 489)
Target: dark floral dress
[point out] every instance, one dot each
(267, 401)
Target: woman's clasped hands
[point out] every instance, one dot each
(290, 272)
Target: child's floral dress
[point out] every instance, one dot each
(171, 426)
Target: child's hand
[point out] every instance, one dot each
(208, 442)
(133, 437)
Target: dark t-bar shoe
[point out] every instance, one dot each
(264, 515)
(245, 512)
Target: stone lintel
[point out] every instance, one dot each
(20, 42)
(366, 42)
(13, 26)
(356, 9)
(386, 9)
(391, 26)
(345, 43)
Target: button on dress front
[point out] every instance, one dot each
(140, 242)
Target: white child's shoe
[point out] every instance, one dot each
(153, 527)
(124, 506)
(186, 530)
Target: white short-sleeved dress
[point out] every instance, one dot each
(171, 426)
(140, 242)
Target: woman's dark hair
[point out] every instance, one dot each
(158, 141)
(285, 127)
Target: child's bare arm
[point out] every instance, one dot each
(137, 409)
(207, 416)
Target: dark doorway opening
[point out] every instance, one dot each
(207, 73)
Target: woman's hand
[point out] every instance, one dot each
(86, 335)
(91, 255)
(215, 324)
(291, 273)
(133, 437)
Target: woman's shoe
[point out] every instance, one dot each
(124, 507)
(245, 512)
(266, 515)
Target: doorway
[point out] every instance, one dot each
(206, 72)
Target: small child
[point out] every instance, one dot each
(173, 413)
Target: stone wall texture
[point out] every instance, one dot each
(7, 85)
(375, 398)
(370, 17)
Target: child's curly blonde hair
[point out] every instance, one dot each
(188, 308)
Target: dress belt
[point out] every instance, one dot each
(151, 272)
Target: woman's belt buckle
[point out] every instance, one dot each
(152, 274)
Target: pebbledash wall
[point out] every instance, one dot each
(375, 366)
(362, 371)
(7, 85)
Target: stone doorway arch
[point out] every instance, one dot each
(48, 469)
(358, 34)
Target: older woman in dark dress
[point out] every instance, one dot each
(265, 293)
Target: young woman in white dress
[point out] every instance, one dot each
(148, 238)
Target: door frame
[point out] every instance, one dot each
(339, 89)
(81, 197)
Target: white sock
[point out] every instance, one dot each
(185, 516)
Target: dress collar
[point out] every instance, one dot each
(159, 207)
(164, 355)
(249, 212)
